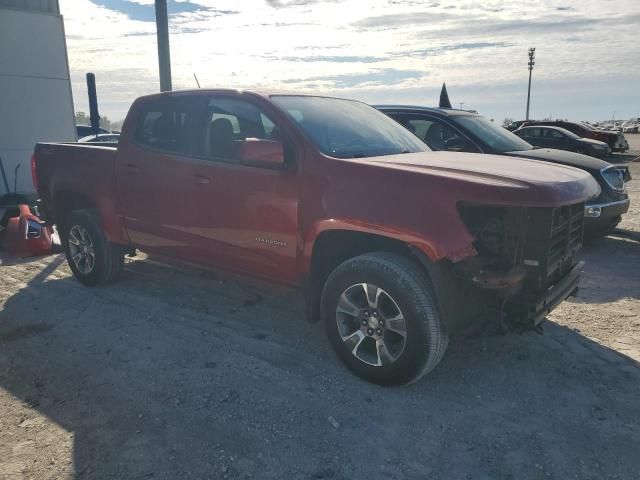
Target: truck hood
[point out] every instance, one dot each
(532, 182)
(578, 160)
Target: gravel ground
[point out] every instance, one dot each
(175, 373)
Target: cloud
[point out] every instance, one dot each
(443, 49)
(332, 59)
(294, 3)
(402, 20)
(376, 77)
(381, 49)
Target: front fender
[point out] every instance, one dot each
(415, 240)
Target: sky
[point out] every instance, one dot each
(587, 63)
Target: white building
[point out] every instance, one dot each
(35, 91)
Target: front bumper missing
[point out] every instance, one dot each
(540, 306)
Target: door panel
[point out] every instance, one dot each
(244, 217)
(155, 179)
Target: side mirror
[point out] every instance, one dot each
(260, 152)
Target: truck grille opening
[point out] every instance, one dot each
(554, 236)
(544, 240)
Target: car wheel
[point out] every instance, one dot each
(91, 257)
(382, 318)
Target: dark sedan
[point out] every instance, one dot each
(101, 138)
(461, 131)
(616, 140)
(561, 139)
(86, 130)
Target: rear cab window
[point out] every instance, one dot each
(165, 124)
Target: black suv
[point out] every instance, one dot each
(462, 131)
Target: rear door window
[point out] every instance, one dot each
(165, 125)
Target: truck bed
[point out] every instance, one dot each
(79, 173)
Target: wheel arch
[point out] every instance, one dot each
(111, 221)
(333, 242)
(67, 201)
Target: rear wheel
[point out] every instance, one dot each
(382, 318)
(91, 257)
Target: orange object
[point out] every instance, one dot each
(27, 235)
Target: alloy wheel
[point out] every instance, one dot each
(371, 324)
(81, 249)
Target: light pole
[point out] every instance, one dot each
(532, 56)
(461, 104)
(164, 56)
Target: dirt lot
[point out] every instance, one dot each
(176, 373)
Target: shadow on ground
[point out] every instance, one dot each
(171, 375)
(613, 268)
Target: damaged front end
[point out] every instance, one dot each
(526, 262)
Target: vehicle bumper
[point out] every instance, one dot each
(621, 145)
(599, 216)
(541, 306)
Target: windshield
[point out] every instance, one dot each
(348, 129)
(498, 138)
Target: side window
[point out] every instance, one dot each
(524, 133)
(229, 121)
(555, 134)
(418, 127)
(163, 126)
(440, 136)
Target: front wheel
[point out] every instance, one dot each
(91, 257)
(382, 318)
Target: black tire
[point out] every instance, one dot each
(410, 291)
(108, 258)
(603, 231)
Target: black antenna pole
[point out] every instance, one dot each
(94, 115)
(194, 76)
(164, 56)
(4, 177)
(15, 178)
(532, 57)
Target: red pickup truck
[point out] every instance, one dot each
(396, 248)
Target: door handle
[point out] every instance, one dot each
(201, 179)
(133, 168)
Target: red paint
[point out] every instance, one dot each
(26, 235)
(263, 220)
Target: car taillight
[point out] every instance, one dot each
(34, 173)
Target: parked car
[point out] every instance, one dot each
(86, 130)
(515, 125)
(458, 130)
(101, 138)
(397, 248)
(561, 139)
(615, 140)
